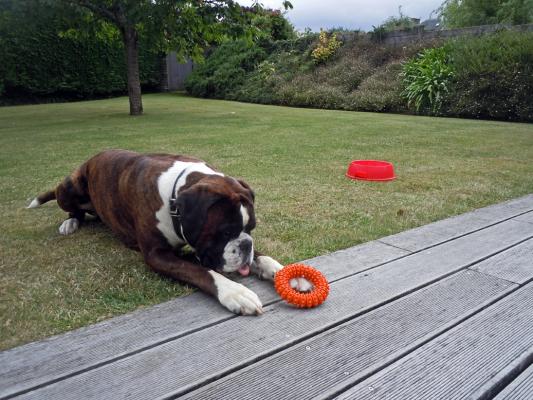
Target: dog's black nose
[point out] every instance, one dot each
(245, 246)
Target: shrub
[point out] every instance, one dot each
(326, 48)
(401, 22)
(381, 91)
(493, 76)
(486, 77)
(346, 74)
(225, 70)
(362, 76)
(255, 74)
(272, 25)
(461, 13)
(427, 78)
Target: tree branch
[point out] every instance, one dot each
(100, 10)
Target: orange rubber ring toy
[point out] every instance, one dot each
(300, 299)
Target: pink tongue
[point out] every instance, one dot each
(244, 270)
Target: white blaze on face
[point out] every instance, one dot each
(235, 258)
(245, 216)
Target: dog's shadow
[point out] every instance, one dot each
(95, 224)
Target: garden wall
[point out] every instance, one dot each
(419, 34)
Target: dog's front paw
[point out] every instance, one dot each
(236, 297)
(266, 267)
(69, 226)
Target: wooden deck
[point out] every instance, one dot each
(439, 312)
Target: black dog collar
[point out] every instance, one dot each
(175, 212)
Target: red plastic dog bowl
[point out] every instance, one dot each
(371, 170)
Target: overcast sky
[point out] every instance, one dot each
(352, 14)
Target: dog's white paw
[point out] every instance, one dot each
(69, 226)
(266, 267)
(236, 297)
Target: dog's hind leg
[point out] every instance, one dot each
(72, 196)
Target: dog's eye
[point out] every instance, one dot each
(226, 234)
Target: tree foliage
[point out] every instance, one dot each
(271, 25)
(185, 26)
(463, 13)
(227, 66)
(49, 53)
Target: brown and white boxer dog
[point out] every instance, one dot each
(158, 203)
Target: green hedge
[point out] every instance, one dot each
(493, 77)
(42, 60)
(225, 70)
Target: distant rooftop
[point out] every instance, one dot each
(431, 24)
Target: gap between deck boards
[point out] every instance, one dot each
(272, 302)
(226, 386)
(489, 371)
(508, 230)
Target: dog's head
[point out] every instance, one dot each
(217, 217)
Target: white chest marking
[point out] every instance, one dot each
(165, 183)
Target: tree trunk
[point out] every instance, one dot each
(130, 37)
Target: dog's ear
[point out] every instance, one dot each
(248, 189)
(193, 204)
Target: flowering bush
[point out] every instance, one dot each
(327, 46)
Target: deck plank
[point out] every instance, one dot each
(37, 363)
(343, 356)
(514, 264)
(347, 262)
(169, 368)
(528, 217)
(446, 229)
(462, 361)
(506, 209)
(520, 389)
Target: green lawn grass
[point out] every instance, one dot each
(295, 159)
